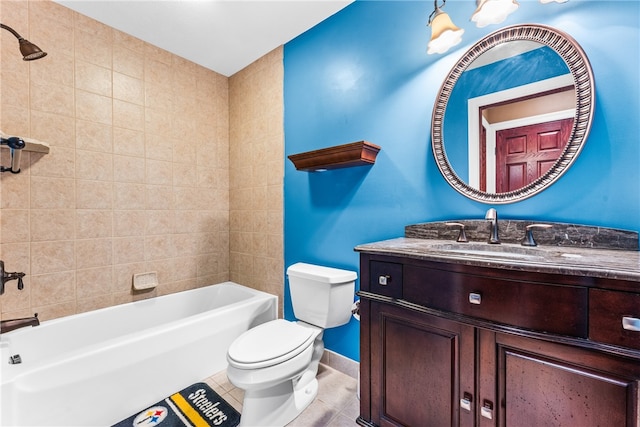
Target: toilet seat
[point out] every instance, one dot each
(270, 344)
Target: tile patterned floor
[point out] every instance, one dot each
(335, 406)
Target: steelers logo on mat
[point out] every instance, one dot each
(151, 417)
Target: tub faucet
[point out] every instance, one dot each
(12, 324)
(6, 276)
(492, 215)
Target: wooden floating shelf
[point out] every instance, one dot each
(360, 153)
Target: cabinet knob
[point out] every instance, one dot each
(631, 323)
(475, 298)
(384, 280)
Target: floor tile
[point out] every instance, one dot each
(335, 406)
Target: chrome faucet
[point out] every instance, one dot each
(492, 215)
(12, 324)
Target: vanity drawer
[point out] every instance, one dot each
(385, 278)
(614, 317)
(544, 307)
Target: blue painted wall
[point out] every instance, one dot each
(364, 74)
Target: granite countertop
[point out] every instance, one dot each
(566, 260)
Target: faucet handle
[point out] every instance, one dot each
(528, 237)
(462, 236)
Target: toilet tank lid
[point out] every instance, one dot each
(320, 273)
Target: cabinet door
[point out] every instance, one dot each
(421, 367)
(545, 384)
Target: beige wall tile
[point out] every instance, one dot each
(129, 223)
(15, 190)
(59, 162)
(93, 282)
(93, 47)
(52, 98)
(127, 61)
(93, 107)
(160, 222)
(159, 147)
(94, 136)
(93, 78)
(94, 194)
(127, 250)
(129, 195)
(52, 193)
(14, 226)
(159, 197)
(159, 172)
(56, 69)
(128, 169)
(15, 89)
(92, 165)
(93, 253)
(256, 172)
(93, 223)
(57, 130)
(159, 247)
(138, 177)
(52, 256)
(127, 115)
(52, 224)
(128, 88)
(53, 288)
(128, 142)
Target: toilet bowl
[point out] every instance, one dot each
(276, 362)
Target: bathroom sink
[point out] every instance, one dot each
(485, 249)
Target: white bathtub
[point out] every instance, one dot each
(96, 368)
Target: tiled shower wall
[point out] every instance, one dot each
(256, 197)
(137, 179)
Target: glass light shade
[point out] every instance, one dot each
(493, 11)
(444, 34)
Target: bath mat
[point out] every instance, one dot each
(195, 406)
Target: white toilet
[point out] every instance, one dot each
(276, 362)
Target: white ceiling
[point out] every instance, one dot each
(222, 35)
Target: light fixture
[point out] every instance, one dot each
(444, 34)
(29, 50)
(493, 11)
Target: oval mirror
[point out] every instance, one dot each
(515, 112)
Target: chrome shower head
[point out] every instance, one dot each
(28, 50)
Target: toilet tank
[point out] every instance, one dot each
(321, 296)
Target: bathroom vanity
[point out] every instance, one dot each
(473, 334)
(456, 331)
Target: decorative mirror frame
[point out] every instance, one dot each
(580, 68)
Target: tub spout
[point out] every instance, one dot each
(12, 324)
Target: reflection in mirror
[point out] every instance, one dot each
(508, 113)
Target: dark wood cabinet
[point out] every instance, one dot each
(457, 345)
(424, 361)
